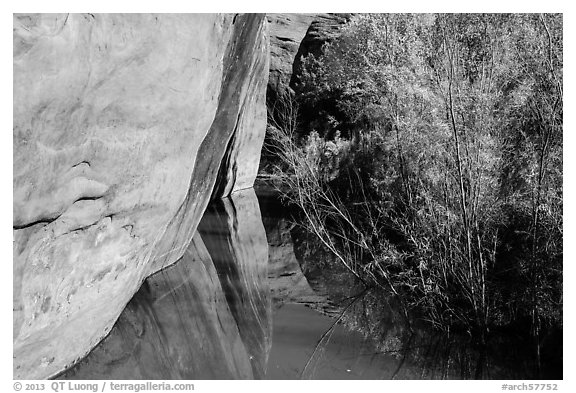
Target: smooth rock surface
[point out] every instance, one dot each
(239, 165)
(121, 122)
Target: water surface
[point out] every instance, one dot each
(245, 302)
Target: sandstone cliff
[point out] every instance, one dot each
(124, 127)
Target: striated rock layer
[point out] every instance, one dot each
(122, 125)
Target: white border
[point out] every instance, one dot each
(302, 6)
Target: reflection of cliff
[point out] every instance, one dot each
(234, 236)
(287, 282)
(207, 316)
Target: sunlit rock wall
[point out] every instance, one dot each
(120, 126)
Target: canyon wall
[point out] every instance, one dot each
(125, 125)
(286, 34)
(292, 37)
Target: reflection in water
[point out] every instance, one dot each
(205, 317)
(254, 298)
(234, 236)
(179, 313)
(416, 350)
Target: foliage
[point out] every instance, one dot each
(434, 164)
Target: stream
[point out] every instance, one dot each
(245, 302)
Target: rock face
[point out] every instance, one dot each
(123, 126)
(286, 33)
(293, 36)
(324, 28)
